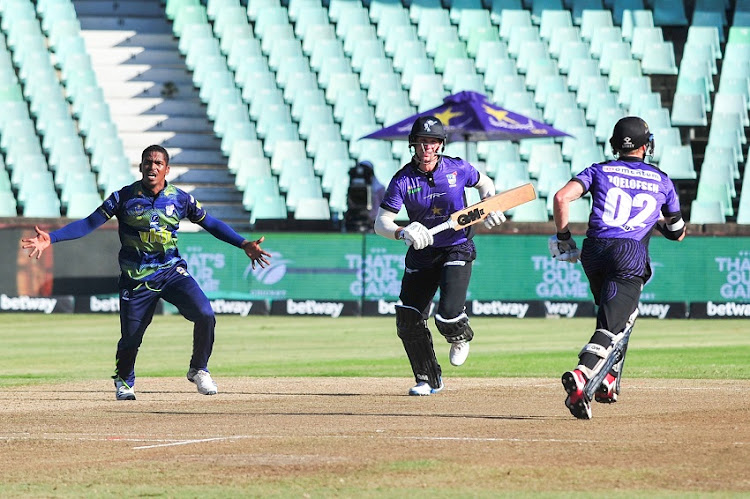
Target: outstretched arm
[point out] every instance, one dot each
(37, 244)
(225, 233)
(73, 230)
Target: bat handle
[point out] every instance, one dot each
(441, 227)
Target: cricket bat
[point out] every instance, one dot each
(479, 211)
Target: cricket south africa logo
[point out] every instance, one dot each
(451, 177)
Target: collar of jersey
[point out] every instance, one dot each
(415, 165)
(144, 193)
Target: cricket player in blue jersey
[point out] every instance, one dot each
(629, 198)
(431, 188)
(149, 213)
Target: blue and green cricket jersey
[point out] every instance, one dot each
(148, 227)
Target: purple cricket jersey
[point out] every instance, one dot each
(627, 198)
(430, 199)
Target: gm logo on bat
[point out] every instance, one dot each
(471, 216)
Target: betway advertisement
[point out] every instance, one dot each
(508, 269)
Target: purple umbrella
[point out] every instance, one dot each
(470, 117)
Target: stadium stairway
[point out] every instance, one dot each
(152, 99)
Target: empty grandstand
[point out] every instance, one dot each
(261, 103)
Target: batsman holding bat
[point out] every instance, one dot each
(149, 213)
(431, 187)
(629, 197)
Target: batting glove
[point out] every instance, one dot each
(563, 248)
(416, 235)
(494, 219)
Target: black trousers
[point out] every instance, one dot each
(616, 269)
(432, 269)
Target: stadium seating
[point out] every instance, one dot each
(323, 74)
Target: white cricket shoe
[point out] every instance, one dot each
(459, 352)
(123, 391)
(423, 388)
(203, 381)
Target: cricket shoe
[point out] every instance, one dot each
(574, 383)
(606, 393)
(423, 388)
(123, 391)
(459, 352)
(203, 381)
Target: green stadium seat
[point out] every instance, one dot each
(579, 210)
(312, 209)
(664, 137)
(174, 6)
(83, 204)
(302, 187)
(533, 211)
(389, 19)
(552, 20)
(8, 207)
(244, 148)
(76, 183)
(293, 171)
(259, 187)
(583, 157)
(234, 132)
(580, 137)
(364, 51)
(418, 66)
(42, 205)
(488, 52)
(271, 16)
(254, 7)
(726, 103)
(250, 170)
(689, 110)
(669, 13)
(707, 212)
(268, 207)
(336, 172)
(561, 36)
(558, 101)
(677, 162)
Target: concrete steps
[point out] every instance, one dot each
(152, 99)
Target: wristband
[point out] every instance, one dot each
(563, 236)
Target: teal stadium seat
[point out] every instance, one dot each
(706, 212)
(669, 13)
(312, 209)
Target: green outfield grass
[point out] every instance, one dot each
(38, 348)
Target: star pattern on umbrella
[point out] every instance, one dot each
(446, 116)
(498, 114)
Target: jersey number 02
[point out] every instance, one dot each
(618, 208)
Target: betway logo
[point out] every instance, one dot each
(499, 308)
(26, 303)
(560, 309)
(659, 310)
(233, 307)
(730, 309)
(312, 307)
(387, 307)
(104, 305)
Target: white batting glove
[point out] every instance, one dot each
(415, 234)
(564, 250)
(494, 219)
